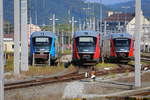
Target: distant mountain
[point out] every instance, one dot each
(108, 2)
(128, 7)
(40, 11)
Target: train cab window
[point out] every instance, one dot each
(42, 41)
(86, 41)
(122, 42)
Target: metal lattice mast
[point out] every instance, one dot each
(80, 24)
(62, 40)
(72, 26)
(137, 44)
(54, 31)
(73, 21)
(17, 37)
(1, 53)
(101, 16)
(54, 19)
(24, 39)
(148, 38)
(94, 24)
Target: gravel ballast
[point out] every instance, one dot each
(73, 90)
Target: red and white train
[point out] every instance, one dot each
(86, 47)
(118, 47)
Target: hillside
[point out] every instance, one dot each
(130, 4)
(42, 10)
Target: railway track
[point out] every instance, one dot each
(145, 58)
(143, 94)
(64, 78)
(38, 81)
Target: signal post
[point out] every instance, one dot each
(24, 39)
(1, 53)
(137, 44)
(20, 30)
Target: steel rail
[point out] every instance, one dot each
(64, 78)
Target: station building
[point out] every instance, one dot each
(121, 22)
(145, 32)
(117, 21)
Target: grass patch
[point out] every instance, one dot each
(9, 64)
(104, 65)
(37, 70)
(145, 54)
(44, 70)
(67, 51)
(142, 62)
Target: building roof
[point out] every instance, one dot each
(86, 33)
(119, 17)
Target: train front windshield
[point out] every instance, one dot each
(122, 42)
(86, 44)
(42, 43)
(86, 41)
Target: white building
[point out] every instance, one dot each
(8, 43)
(145, 32)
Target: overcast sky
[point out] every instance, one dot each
(111, 1)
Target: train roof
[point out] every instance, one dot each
(85, 33)
(42, 33)
(121, 35)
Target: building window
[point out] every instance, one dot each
(13, 46)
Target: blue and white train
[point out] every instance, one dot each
(42, 47)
